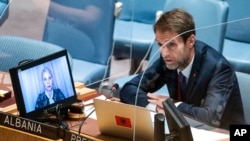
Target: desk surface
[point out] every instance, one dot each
(89, 127)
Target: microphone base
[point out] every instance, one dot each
(75, 116)
(76, 111)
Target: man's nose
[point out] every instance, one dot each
(165, 52)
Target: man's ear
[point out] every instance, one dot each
(191, 40)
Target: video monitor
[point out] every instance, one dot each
(178, 126)
(43, 84)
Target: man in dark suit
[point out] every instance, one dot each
(207, 89)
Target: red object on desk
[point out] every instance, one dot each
(123, 121)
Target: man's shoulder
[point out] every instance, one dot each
(202, 46)
(207, 51)
(211, 59)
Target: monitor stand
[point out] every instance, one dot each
(55, 116)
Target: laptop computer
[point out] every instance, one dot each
(124, 120)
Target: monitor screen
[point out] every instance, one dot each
(178, 126)
(42, 84)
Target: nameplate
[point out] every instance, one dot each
(30, 126)
(69, 136)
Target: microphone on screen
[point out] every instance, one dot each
(113, 89)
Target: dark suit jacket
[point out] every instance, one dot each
(43, 100)
(212, 94)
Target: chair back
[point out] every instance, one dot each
(238, 21)
(84, 28)
(133, 33)
(244, 81)
(14, 49)
(210, 17)
(140, 10)
(237, 41)
(4, 10)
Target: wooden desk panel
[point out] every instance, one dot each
(9, 134)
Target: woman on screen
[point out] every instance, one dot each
(50, 94)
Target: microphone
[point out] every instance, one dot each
(110, 96)
(113, 89)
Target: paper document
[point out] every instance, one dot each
(205, 135)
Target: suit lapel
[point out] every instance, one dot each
(194, 72)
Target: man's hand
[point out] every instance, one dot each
(157, 100)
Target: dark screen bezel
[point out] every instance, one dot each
(178, 126)
(18, 92)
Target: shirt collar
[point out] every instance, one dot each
(186, 72)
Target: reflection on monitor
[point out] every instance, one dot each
(179, 128)
(42, 84)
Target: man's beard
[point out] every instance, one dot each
(178, 65)
(172, 67)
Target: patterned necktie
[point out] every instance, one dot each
(181, 86)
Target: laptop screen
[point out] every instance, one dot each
(41, 84)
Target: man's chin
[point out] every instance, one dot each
(171, 67)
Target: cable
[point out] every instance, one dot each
(84, 119)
